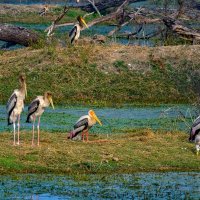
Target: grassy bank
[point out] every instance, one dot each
(30, 14)
(106, 75)
(141, 150)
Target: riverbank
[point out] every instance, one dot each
(136, 151)
(104, 75)
(10, 13)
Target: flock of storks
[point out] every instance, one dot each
(15, 105)
(36, 108)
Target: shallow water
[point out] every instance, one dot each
(126, 186)
(115, 120)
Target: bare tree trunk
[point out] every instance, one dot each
(18, 35)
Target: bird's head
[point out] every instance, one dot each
(22, 80)
(82, 21)
(48, 95)
(92, 114)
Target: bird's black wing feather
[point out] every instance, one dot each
(11, 105)
(32, 108)
(79, 127)
(72, 34)
(83, 122)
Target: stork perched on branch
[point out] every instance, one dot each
(84, 124)
(36, 108)
(15, 106)
(76, 30)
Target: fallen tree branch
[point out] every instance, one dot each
(182, 31)
(18, 35)
(125, 23)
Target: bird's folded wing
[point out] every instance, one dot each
(80, 123)
(33, 106)
(11, 103)
(72, 33)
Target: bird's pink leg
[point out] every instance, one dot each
(14, 130)
(87, 135)
(33, 131)
(18, 127)
(38, 127)
(83, 136)
(14, 133)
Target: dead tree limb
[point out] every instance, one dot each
(101, 19)
(51, 28)
(182, 31)
(92, 2)
(124, 23)
(18, 35)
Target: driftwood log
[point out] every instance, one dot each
(18, 35)
(105, 4)
(182, 31)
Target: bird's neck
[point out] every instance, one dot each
(46, 102)
(80, 25)
(92, 120)
(22, 88)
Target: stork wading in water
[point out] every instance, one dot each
(74, 34)
(15, 106)
(195, 134)
(84, 124)
(36, 108)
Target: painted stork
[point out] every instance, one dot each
(15, 106)
(84, 124)
(36, 108)
(195, 129)
(76, 30)
(44, 10)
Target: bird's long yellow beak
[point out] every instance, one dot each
(197, 153)
(84, 22)
(51, 102)
(97, 119)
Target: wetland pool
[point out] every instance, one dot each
(115, 120)
(170, 185)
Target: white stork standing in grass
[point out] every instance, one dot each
(84, 124)
(74, 34)
(15, 106)
(36, 108)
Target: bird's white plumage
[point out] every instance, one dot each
(78, 31)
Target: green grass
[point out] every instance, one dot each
(35, 18)
(139, 150)
(75, 76)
